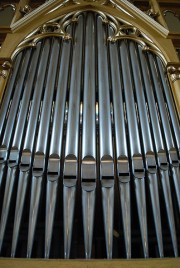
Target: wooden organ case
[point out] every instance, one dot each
(90, 136)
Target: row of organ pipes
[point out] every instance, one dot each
(89, 110)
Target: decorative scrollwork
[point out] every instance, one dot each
(26, 9)
(174, 71)
(2, 7)
(4, 68)
(49, 29)
(151, 13)
(121, 28)
(124, 30)
(172, 12)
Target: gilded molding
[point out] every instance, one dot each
(143, 15)
(38, 11)
(173, 70)
(124, 6)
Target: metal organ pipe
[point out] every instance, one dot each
(105, 138)
(94, 122)
(88, 164)
(72, 138)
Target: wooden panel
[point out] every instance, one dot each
(31, 263)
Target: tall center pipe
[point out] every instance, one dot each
(105, 136)
(88, 166)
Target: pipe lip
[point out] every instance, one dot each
(88, 169)
(53, 169)
(13, 157)
(138, 166)
(3, 154)
(107, 168)
(123, 169)
(39, 164)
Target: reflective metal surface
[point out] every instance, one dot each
(89, 147)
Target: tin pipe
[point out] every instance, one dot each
(88, 164)
(105, 138)
(72, 138)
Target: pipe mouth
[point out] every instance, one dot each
(88, 170)
(151, 163)
(107, 168)
(70, 167)
(138, 166)
(38, 165)
(173, 157)
(13, 157)
(3, 154)
(123, 169)
(53, 169)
